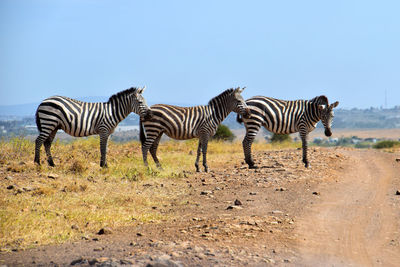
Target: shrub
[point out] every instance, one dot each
(386, 144)
(280, 138)
(363, 145)
(224, 133)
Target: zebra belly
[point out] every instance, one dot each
(283, 131)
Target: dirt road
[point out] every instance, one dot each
(357, 221)
(344, 211)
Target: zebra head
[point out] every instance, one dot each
(240, 105)
(326, 114)
(139, 105)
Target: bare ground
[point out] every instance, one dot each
(344, 211)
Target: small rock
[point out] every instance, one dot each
(252, 193)
(163, 263)
(74, 227)
(281, 189)
(398, 159)
(126, 262)
(98, 249)
(205, 193)
(237, 202)
(102, 261)
(277, 212)
(9, 178)
(269, 260)
(80, 261)
(19, 191)
(139, 234)
(398, 193)
(52, 176)
(105, 231)
(316, 193)
(10, 187)
(234, 207)
(28, 189)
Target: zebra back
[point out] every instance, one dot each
(187, 122)
(79, 118)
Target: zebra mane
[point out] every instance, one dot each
(221, 95)
(323, 100)
(122, 94)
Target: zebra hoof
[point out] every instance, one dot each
(51, 163)
(103, 165)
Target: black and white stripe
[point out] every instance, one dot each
(285, 117)
(189, 122)
(79, 118)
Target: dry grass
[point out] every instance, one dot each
(43, 205)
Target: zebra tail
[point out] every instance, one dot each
(142, 132)
(38, 120)
(239, 118)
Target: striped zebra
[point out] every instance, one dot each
(189, 122)
(285, 117)
(79, 118)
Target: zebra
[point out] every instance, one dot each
(285, 117)
(183, 123)
(80, 119)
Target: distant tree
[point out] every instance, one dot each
(386, 144)
(280, 138)
(224, 133)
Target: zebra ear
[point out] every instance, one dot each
(140, 90)
(334, 105)
(240, 90)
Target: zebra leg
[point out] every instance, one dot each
(47, 146)
(103, 148)
(153, 151)
(146, 144)
(247, 142)
(38, 144)
(204, 144)
(304, 145)
(198, 157)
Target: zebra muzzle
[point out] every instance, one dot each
(328, 132)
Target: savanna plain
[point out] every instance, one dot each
(343, 211)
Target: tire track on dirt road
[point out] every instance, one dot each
(357, 221)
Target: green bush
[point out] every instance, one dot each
(280, 138)
(363, 145)
(224, 133)
(386, 144)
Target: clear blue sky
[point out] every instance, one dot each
(190, 51)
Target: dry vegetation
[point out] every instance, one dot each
(43, 205)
